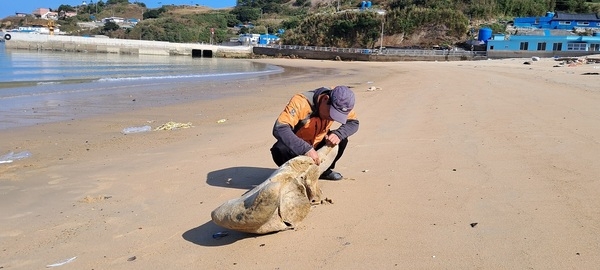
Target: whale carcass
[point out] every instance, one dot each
(282, 201)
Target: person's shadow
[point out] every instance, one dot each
(209, 233)
(239, 177)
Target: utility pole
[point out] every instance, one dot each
(382, 25)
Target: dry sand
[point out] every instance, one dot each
(457, 165)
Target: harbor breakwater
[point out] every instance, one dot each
(120, 46)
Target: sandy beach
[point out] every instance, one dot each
(456, 165)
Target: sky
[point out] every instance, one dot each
(9, 7)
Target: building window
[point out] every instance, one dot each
(595, 47)
(564, 23)
(524, 46)
(541, 46)
(557, 46)
(576, 46)
(583, 23)
(491, 47)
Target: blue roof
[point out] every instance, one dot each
(559, 20)
(592, 17)
(269, 36)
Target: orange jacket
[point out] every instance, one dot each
(299, 126)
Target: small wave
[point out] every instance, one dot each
(47, 83)
(113, 84)
(189, 76)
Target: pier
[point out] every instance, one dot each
(120, 46)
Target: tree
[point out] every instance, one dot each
(290, 23)
(151, 14)
(301, 3)
(66, 8)
(246, 14)
(154, 13)
(141, 4)
(114, 2)
(110, 26)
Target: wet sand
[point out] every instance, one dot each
(456, 165)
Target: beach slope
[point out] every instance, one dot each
(457, 165)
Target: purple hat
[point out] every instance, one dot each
(342, 102)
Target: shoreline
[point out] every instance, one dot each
(4, 85)
(82, 98)
(481, 164)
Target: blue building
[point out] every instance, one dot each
(267, 39)
(559, 20)
(547, 43)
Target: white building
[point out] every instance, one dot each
(36, 29)
(249, 39)
(113, 19)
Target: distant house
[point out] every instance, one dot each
(543, 43)
(41, 13)
(70, 14)
(20, 14)
(548, 36)
(247, 25)
(559, 20)
(35, 29)
(249, 39)
(52, 16)
(113, 19)
(267, 39)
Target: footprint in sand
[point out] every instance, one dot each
(56, 179)
(10, 233)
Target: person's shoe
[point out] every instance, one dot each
(331, 175)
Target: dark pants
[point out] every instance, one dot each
(281, 153)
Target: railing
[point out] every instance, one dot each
(384, 51)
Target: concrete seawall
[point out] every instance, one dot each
(424, 55)
(121, 46)
(144, 47)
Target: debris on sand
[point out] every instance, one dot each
(93, 199)
(12, 156)
(61, 263)
(327, 201)
(173, 125)
(130, 130)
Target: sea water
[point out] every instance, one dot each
(46, 86)
(27, 67)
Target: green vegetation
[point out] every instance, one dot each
(186, 28)
(332, 23)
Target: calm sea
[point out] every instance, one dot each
(24, 67)
(39, 86)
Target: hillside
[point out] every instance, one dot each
(333, 23)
